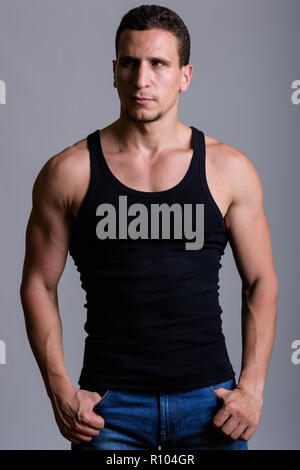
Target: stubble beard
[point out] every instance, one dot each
(150, 119)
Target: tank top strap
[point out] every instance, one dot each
(198, 151)
(203, 179)
(93, 146)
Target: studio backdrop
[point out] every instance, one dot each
(56, 87)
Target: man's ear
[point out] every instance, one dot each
(186, 77)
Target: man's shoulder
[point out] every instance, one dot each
(233, 170)
(70, 158)
(229, 161)
(224, 154)
(63, 172)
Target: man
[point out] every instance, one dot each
(146, 206)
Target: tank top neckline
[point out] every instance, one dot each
(150, 194)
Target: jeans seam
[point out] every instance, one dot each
(177, 414)
(168, 436)
(103, 399)
(213, 393)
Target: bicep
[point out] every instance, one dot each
(248, 228)
(48, 232)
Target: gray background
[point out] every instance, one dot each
(55, 59)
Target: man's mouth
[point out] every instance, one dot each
(141, 100)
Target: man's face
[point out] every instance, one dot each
(148, 66)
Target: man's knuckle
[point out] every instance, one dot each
(225, 431)
(248, 422)
(84, 418)
(229, 407)
(76, 426)
(99, 424)
(245, 436)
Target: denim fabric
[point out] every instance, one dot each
(179, 420)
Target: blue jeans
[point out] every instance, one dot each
(180, 420)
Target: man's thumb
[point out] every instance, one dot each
(221, 392)
(97, 397)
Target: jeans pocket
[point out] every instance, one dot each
(103, 399)
(213, 393)
(228, 384)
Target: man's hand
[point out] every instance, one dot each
(75, 416)
(240, 414)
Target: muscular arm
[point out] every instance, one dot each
(249, 237)
(47, 239)
(251, 246)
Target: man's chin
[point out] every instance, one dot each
(136, 118)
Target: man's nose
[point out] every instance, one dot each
(142, 75)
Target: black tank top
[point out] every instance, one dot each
(149, 264)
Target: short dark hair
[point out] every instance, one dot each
(154, 16)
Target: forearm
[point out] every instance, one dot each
(44, 330)
(259, 306)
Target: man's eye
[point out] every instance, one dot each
(126, 62)
(134, 63)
